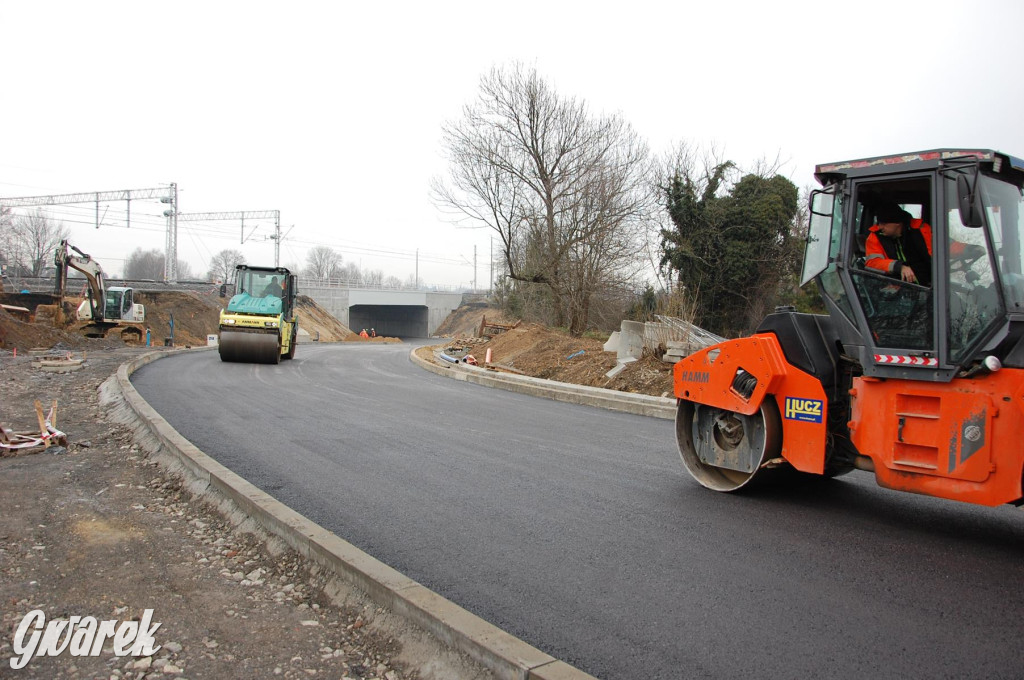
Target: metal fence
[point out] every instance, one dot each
(673, 329)
(306, 282)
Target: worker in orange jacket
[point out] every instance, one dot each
(900, 245)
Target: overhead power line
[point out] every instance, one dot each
(167, 194)
(242, 215)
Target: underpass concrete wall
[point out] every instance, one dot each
(439, 306)
(402, 313)
(334, 300)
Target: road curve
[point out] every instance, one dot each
(576, 529)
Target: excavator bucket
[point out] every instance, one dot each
(131, 334)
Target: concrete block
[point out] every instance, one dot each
(619, 367)
(631, 340)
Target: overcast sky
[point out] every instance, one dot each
(331, 112)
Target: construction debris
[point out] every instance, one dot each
(20, 313)
(620, 366)
(682, 338)
(502, 367)
(669, 337)
(490, 329)
(12, 443)
(65, 363)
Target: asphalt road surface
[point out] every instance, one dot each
(577, 530)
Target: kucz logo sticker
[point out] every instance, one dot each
(805, 410)
(81, 636)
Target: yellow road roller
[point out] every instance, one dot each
(259, 324)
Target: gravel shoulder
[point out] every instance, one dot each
(100, 530)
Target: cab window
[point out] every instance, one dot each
(899, 313)
(973, 297)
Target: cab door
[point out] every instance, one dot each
(899, 316)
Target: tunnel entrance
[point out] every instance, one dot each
(400, 321)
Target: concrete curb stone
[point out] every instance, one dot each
(639, 404)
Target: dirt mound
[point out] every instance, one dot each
(318, 322)
(542, 352)
(196, 315)
(464, 322)
(23, 336)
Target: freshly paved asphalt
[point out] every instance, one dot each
(577, 530)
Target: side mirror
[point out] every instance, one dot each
(971, 213)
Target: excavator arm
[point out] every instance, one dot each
(81, 262)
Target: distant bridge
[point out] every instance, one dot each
(397, 313)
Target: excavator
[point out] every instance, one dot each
(259, 324)
(921, 385)
(104, 309)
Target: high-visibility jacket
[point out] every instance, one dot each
(913, 247)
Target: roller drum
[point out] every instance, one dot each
(723, 450)
(256, 348)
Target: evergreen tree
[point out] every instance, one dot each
(730, 249)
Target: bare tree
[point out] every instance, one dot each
(222, 266)
(149, 264)
(7, 260)
(322, 263)
(613, 212)
(184, 271)
(34, 238)
(145, 264)
(374, 278)
(565, 191)
(350, 274)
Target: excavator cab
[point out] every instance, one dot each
(921, 383)
(119, 305)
